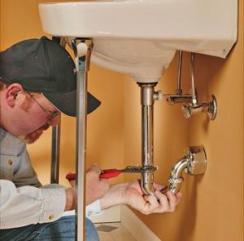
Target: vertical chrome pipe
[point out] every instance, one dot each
(55, 154)
(80, 153)
(82, 65)
(147, 101)
(194, 96)
(56, 131)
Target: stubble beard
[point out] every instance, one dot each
(33, 136)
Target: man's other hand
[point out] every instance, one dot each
(132, 195)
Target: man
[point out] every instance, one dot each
(37, 83)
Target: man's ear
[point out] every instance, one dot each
(12, 92)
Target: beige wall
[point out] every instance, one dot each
(212, 205)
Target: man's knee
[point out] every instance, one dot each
(91, 232)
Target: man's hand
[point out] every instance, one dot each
(95, 188)
(131, 194)
(154, 203)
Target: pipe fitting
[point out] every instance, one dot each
(193, 163)
(211, 108)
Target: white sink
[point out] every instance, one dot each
(140, 37)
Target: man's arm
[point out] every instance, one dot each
(124, 193)
(21, 206)
(29, 205)
(22, 199)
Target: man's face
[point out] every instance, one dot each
(26, 115)
(44, 114)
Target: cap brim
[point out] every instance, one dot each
(66, 102)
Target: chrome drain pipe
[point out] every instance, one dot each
(193, 163)
(147, 102)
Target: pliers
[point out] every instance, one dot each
(109, 173)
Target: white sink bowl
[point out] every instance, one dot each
(140, 37)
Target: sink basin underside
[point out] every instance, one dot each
(145, 60)
(133, 35)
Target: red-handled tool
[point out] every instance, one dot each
(109, 173)
(105, 174)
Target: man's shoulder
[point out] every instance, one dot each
(9, 144)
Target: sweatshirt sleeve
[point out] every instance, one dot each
(29, 205)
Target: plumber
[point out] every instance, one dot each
(37, 83)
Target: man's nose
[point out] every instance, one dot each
(55, 121)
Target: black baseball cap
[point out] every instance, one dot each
(42, 65)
